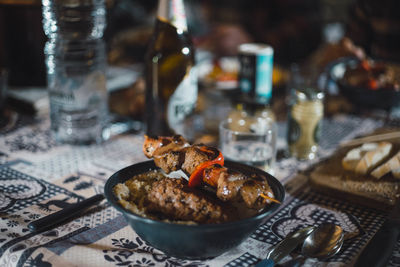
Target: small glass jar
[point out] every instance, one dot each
(304, 122)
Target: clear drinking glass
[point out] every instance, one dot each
(250, 140)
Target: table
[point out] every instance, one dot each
(38, 177)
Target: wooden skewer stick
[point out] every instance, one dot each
(371, 138)
(270, 198)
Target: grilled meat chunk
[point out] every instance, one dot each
(232, 185)
(163, 144)
(213, 173)
(251, 192)
(172, 158)
(171, 161)
(196, 155)
(174, 199)
(229, 185)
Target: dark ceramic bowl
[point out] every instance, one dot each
(192, 241)
(361, 96)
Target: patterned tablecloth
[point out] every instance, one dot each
(38, 177)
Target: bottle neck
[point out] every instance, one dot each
(172, 12)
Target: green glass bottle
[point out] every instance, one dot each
(171, 81)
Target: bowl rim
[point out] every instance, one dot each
(276, 186)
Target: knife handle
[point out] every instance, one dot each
(265, 263)
(379, 249)
(62, 215)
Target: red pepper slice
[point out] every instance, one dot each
(212, 173)
(373, 84)
(196, 177)
(365, 65)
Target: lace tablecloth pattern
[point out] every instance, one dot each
(38, 177)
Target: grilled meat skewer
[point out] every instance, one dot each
(174, 153)
(231, 185)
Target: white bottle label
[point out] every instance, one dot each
(182, 102)
(173, 11)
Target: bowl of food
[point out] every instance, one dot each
(221, 204)
(368, 83)
(221, 73)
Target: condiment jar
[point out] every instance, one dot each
(304, 122)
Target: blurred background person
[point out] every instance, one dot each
(292, 27)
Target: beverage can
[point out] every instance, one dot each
(255, 75)
(304, 123)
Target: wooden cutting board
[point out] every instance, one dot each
(329, 177)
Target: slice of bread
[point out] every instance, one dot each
(392, 165)
(396, 173)
(354, 156)
(373, 158)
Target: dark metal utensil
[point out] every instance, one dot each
(63, 215)
(324, 242)
(287, 245)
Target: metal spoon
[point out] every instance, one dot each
(286, 246)
(324, 242)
